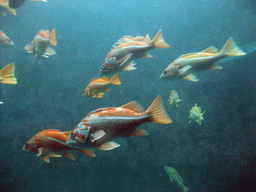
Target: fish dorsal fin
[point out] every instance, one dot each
(134, 106)
(148, 38)
(211, 49)
(105, 78)
(52, 37)
(95, 79)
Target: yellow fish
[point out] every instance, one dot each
(173, 174)
(97, 86)
(4, 6)
(185, 65)
(7, 74)
(174, 98)
(195, 114)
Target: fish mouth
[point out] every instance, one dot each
(24, 149)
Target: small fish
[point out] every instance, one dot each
(173, 175)
(1, 102)
(185, 65)
(7, 74)
(104, 124)
(127, 49)
(52, 143)
(41, 42)
(5, 40)
(174, 98)
(4, 6)
(17, 3)
(97, 86)
(195, 114)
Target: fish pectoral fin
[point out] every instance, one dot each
(138, 133)
(211, 49)
(46, 56)
(216, 67)
(50, 51)
(69, 155)
(184, 69)
(13, 11)
(46, 158)
(191, 77)
(109, 146)
(97, 135)
(130, 66)
(89, 153)
(134, 106)
(146, 56)
(105, 78)
(39, 151)
(29, 48)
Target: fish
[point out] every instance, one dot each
(1, 102)
(17, 3)
(7, 74)
(174, 98)
(5, 40)
(186, 65)
(173, 175)
(196, 115)
(127, 49)
(4, 6)
(104, 124)
(52, 143)
(41, 42)
(97, 86)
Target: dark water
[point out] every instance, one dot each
(219, 155)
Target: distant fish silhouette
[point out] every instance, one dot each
(17, 3)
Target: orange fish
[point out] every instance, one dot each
(17, 3)
(127, 49)
(104, 124)
(41, 42)
(5, 40)
(4, 6)
(97, 86)
(186, 65)
(7, 74)
(52, 143)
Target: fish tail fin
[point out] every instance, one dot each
(158, 112)
(7, 74)
(89, 153)
(230, 48)
(39, 0)
(115, 80)
(53, 37)
(158, 41)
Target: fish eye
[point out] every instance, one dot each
(103, 66)
(164, 73)
(72, 135)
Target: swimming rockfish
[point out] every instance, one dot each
(174, 98)
(4, 6)
(97, 86)
(196, 115)
(17, 3)
(185, 65)
(41, 42)
(5, 40)
(104, 124)
(7, 74)
(52, 143)
(127, 49)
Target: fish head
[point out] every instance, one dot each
(110, 64)
(77, 137)
(87, 92)
(9, 42)
(31, 146)
(170, 73)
